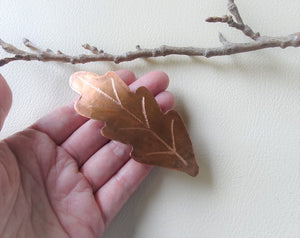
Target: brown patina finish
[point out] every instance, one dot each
(135, 119)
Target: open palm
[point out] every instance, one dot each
(61, 177)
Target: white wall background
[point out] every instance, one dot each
(242, 111)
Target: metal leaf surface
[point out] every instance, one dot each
(135, 119)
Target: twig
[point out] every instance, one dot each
(239, 24)
(227, 48)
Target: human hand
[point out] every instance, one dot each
(61, 177)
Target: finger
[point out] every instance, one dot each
(62, 122)
(81, 149)
(111, 157)
(112, 196)
(165, 100)
(155, 81)
(5, 100)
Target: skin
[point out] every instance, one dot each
(60, 177)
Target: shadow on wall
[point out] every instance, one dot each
(205, 176)
(129, 219)
(267, 60)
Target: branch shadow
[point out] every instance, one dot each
(270, 60)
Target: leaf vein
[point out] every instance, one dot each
(173, 151)
(145, 113)
(115, 91)
(99, 90)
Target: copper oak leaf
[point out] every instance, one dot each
(135, 119)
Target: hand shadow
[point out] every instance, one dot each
(129, 218)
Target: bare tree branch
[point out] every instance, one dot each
(234, 11)
(227, 48)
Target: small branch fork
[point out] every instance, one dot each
(227, 48)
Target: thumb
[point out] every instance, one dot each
(5, 100)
